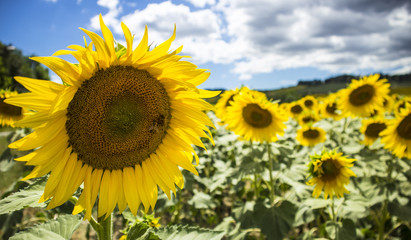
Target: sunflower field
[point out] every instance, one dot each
(127, 148)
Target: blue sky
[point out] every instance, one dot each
(263, 44)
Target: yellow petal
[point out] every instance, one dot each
(130, 190)
(142, 47)
(108, 37)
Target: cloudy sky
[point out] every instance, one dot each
(263, 44)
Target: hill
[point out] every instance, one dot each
(400, 84)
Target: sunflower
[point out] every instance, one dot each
(255, 118)
(224, 102)
(310, 102)
(371, 129)
(310, 136)
(397, 136)
(329, 108)
(295, 108)
(284, 106)
(363, 96)
(388, 104)
(308, 117)
(330, 171)
(228, 96)
(123, 123)
(9, 114)
(402, 103)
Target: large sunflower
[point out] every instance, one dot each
(330, 171)
(371, 129)
(397, 135)
(255, 118)
(363, 96)
(122, 123)
(310, 136)
(9, 114)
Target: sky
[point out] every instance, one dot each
(262, 44)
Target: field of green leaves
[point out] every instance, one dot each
(230, 198)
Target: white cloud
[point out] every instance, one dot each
(264, 35)
(201, 3)
(52, 1)
(403, 70)
(110, 18)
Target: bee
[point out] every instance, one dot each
(157, 123)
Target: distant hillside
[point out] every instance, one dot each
(400, 84)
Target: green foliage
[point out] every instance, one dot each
(13, 63)
(28, 197)
(274, 221)
(345, 229)
(187, 233)
(141, 231)
(231, 199)
(61, 228)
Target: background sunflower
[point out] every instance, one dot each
(310, 136)
(363, 96)
(330, 171)
(371, 129)
(255, 118)
(397, 136)
(9, 114)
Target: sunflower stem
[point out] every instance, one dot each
(384, 210)
(345, 124)
(270, 164)
(257, 193)
(104, 227)
(334, 219)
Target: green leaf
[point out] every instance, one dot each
(346, 229)
(141, 231)
(187, 233)
(332, 227)
(61, 228)
(28, 197)
(401, 211)
(347, 232)
(275, 222)
(120, 50)
(201, 200)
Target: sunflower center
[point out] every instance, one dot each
(118, 117)
(331, 169)
(296, 109)
(311, 133)
(308, 119)
(404, 128)
(374, 129)
(227, 104)
(362, 95)
(331, 108)
(308, 103)
(8, 109)
(257, 117)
